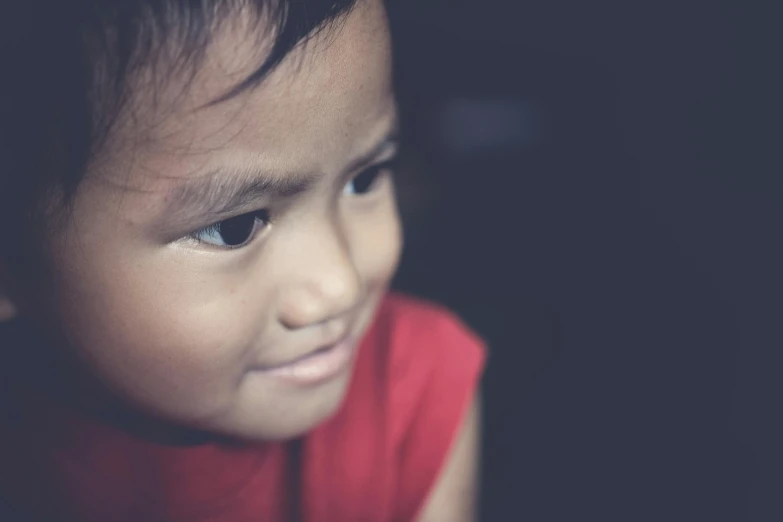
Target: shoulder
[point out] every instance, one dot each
(434, 367)
(414, 383)
(415, 331)
(426, 346)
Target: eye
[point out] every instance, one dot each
(366, 180)
(234, 232)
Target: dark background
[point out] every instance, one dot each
(591, 186)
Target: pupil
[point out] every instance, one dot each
(363, 182)
(237, 230)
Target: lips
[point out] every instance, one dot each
(321, 363)
(298, 358)
(315, 367)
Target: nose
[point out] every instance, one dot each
(324, 285)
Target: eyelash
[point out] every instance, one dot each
(260, 221)
(372, 174)
(261, 218)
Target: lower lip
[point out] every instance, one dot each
(316, 368)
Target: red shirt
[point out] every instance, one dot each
(375, 460)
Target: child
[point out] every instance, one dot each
(200, 232)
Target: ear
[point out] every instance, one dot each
(8, 308)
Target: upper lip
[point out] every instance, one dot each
(344, 337)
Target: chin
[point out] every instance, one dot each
(288, 418)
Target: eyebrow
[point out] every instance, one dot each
(222, 192)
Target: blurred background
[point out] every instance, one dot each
(591, 186)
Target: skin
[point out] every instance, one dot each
(455, 496)
(177, 328)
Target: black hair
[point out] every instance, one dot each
(65, 72)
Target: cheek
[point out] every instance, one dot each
(377, 243)
(163, 335)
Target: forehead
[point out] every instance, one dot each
(328, 93)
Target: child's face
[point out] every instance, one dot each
(186, 329)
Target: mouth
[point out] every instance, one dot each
(316, 367)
